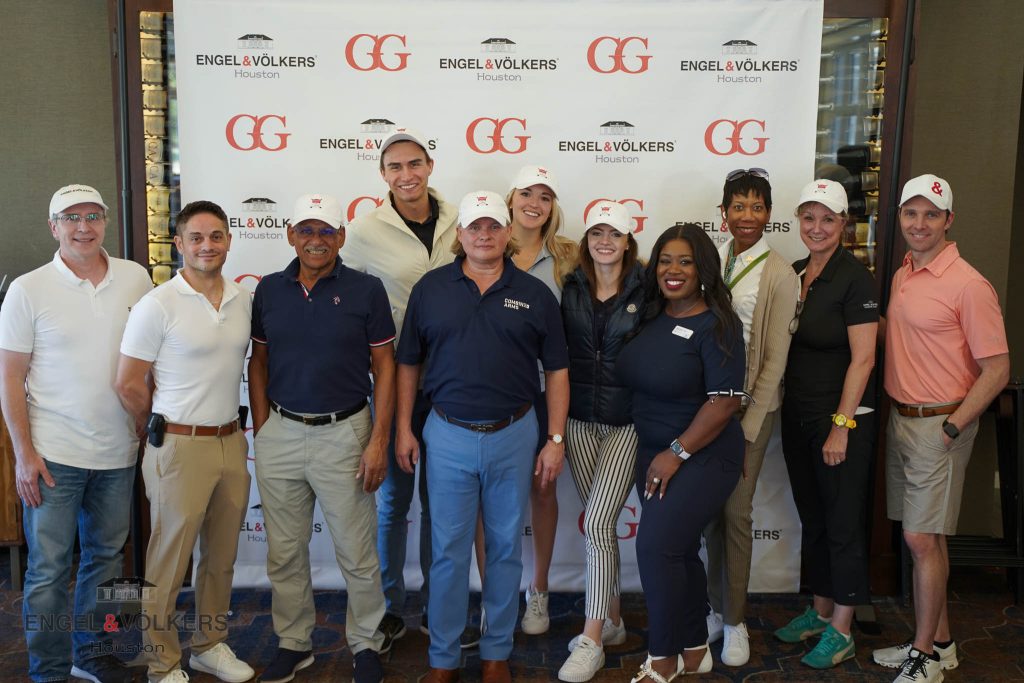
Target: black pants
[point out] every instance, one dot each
(668, 543)
(832, 503)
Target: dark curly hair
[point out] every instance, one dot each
(709, 271)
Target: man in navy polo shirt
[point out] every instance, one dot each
(480, 324)
(317, 329)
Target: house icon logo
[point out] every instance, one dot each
(125, 589)
(498, 45)
(739, 47)
(617, 128)
(376, 126)
(259, 205)
(255, 41)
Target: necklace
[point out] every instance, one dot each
(688, 309)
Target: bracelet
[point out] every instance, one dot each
(730, 393)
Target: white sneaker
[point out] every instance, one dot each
(176, 676)
(221, 662)
(893, 657)
(585, 661)
(919, 668)
(715, 625)
(536, 620)
(735, 645)
(610, 634)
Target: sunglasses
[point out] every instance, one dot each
(740, 172)
(307, 231)
(794, 324)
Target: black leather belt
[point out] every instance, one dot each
(485, 427)
(317, 420)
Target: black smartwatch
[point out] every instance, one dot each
(950, 429)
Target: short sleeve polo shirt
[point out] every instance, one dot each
(481, 351)
(819, 355)
(197, 351)
(318, 341)
(73, 330)
(941, 318)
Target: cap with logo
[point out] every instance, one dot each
(528, 176)
(320, 207)
(931, 187)
(827, 192)
(610, 213)
(482, 204)
(403, 134)
(69, 195)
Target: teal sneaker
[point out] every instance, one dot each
(802, 627)
(832, 648)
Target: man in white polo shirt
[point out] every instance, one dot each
(189, 337)
(74, 445)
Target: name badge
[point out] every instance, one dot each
(683, 332)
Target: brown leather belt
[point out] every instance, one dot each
(485, 427)
(908, 410)
(200, 430)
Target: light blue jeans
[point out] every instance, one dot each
(393, 500)
(469, 472)
(96, 504)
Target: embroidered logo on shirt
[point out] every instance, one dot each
(512, 303)
(337, 300)
(631, 308)
(870, 304)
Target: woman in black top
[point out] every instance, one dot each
(828, 423)
(602, 302)
(686, 370)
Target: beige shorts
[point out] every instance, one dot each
(925, 480)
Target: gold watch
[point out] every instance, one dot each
(840, 420)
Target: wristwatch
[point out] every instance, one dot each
(678, 449)
(840, 420)
(557, 438)
(950, 429)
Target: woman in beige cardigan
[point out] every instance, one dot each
(764, 293)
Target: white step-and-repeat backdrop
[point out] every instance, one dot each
(648, 103)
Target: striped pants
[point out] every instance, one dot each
(602, 459)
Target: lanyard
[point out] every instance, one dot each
(746, 270)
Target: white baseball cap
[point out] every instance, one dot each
(320, 207)
(528, 176)
(402, 134)
(610, 213)
(69, 195)
(483, 204)
(827, 192)
(931, 187)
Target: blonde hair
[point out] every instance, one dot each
(562, 249)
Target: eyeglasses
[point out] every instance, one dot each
(308, 231)
(740, 172)
(76, 218)
(794, 324)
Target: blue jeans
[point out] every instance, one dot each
(96, 503)
(393, 500)
(470, 472)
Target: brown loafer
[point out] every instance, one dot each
(495, 671)
(440, 676)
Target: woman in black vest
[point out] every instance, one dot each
(602, 301)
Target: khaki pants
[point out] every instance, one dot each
(197, 487)
(729, 538)
(296, 466)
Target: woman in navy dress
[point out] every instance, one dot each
(686, 370)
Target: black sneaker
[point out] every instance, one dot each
(103, 669)
(366, 666)
(286, 662)
(392, 625)
(470, 638)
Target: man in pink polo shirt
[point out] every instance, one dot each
(946, 360)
